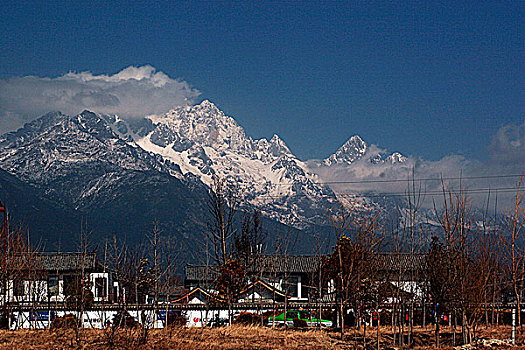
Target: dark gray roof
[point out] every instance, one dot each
(266, 264)
(310, 263)
(400, 262)
(59, 261)
(200, 272)
(289, 264)
(388, 264)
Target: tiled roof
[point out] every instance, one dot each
(388, 263)
(400, 262)
(201, 272)
(264, 285)
(60, 261)
(266, 263)
(289, 264)
(186, 297)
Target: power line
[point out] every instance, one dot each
(414, 180)
(396, 194)
(435, 193)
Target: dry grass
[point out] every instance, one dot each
(235, 337)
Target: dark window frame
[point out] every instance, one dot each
(53, 288)
(19, 288)
(101, 285)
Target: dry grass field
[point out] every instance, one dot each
(236, 337)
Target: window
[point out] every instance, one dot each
(18, 288)
(115, 293)
(100, 286)
(69, 284)
(304, 315)
(291, 314)
(52, 286)
(291, 286)
(3, 287)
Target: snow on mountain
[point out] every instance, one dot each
(101, 165)
(63, 154)
(205, 142)
(355, 149)
(354, 160)
(83, 155)
(395, 158)
(349, 152)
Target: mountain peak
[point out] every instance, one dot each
(271, 150)
(207, 104)
(355, 138)
(396, 157)
(353, 149)
(355, 141)
(276, 140)
(53, 114)
(87, 112)
(49, 117)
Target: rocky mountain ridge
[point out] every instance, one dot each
(355, 149)
(161, 166)
(205, 142)
(78, 160)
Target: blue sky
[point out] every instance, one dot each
(428, 79)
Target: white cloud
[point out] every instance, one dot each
(132, 92)
(505, 156)
(508, 146)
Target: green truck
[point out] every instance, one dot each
(297, 317)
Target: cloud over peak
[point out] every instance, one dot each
(508, 146)
(135, 91)
(498, 174)
(145, 73)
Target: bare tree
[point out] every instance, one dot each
(250, 243)
(155, 271)
(352, 260)
(21, 275)
(454, 217)
(250, 247)
(414, 198)
(462, 268)
(223, 202)
(484, 266)
(514, 222)
(441, 280)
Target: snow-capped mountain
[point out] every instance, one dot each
(126, 173)
(83, 169)
(205, 142)
(80, 159)
(395, 158)
(62, 154)
(352, 150)
(355, 149)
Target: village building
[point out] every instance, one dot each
(37, 288)
(302, 278)
(42, 278)
(269, 277)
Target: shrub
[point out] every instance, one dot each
(247, 318)
(124, 319)
(68, 321)
(299, 323)
(176, 319)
